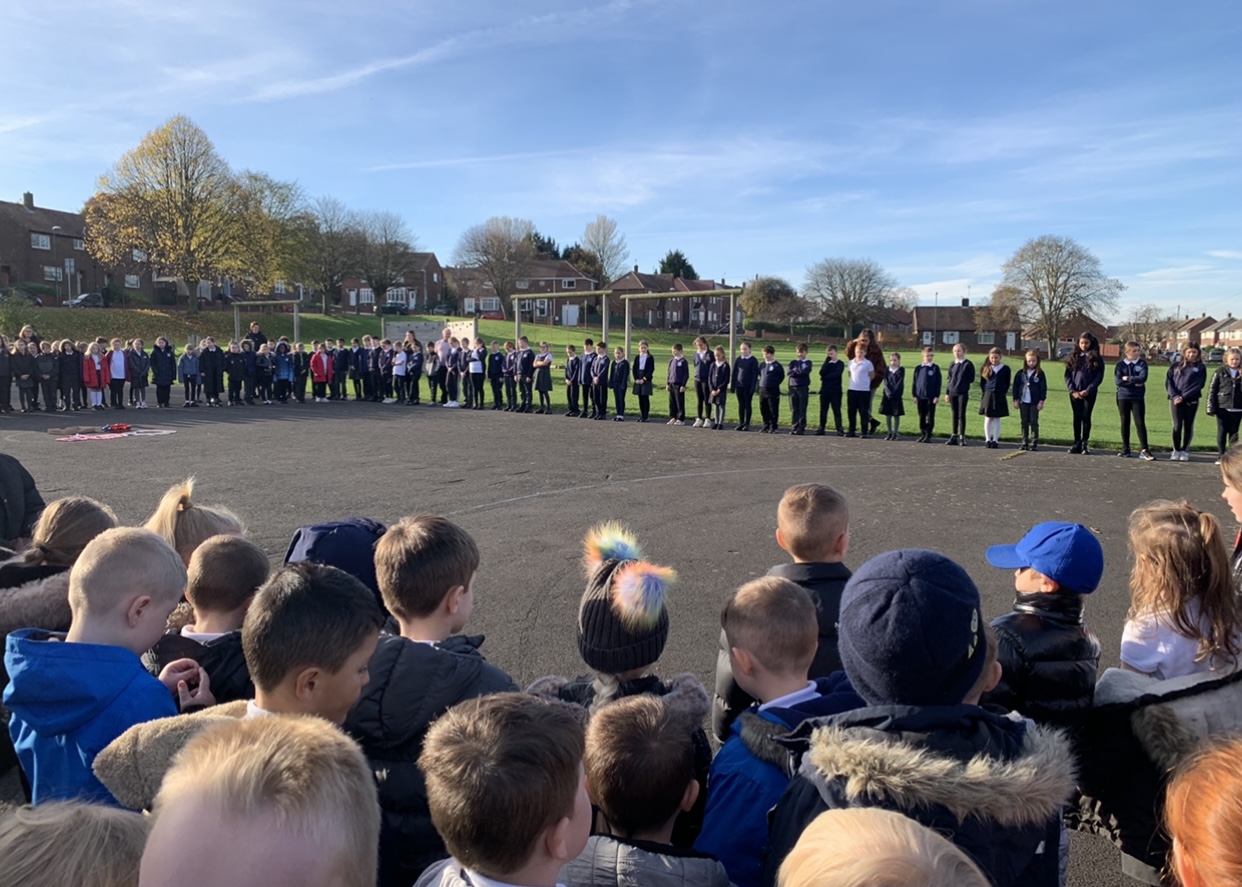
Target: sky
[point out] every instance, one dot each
(757, 138)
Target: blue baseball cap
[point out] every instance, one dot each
(1068, 554)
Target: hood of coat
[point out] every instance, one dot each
(40, 601)
(684, 694)
(766, 733)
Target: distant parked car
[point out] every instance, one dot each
(392, 308)
(87, 300)
(492, 315)
(1216, 355)
(13, 294)
(441, 310)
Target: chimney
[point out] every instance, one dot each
(635, 267)
(965, 303)
(28, 200)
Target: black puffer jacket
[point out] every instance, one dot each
(20, 502)
(411, 685)
(824, 583)
(221, 658)
(1048, 657)
(1225, 392)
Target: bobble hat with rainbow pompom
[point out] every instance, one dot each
(622, 619)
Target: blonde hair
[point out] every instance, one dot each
(811, 518)
(68, 842)
(185, 525)
(121, 564)
(871, 847)
(65, 528)
(1180, 558)
(774, 620)
(1203, 814)
(296, 775)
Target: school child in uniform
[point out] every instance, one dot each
(1130, 377)
(678, 376)
(264, 371)
(251, 355)
(1030, 390)
(1084, 373)
(573, 366)
(1184, 384)
(831, 373)
(340, 370)
(799, 390)
(601, 368)
(957, 394)
(384, 357)
(718, 387)
(23, 368)
(69, 374)
(619, 381)
(892, 400)
(118, 366)
(414, 363)
(543, 379)
(301, 371)
(525, 370)
(1225, 401)
(452, 373)
(926, 390)
(510, 377)
(431, 365)
(858, 397)
(771, 375)
(282, 372)
(994, 382)
(187, 374)
(644, 373)
(210, 371)
(745, 381)
(235, 370)
(139, 373)
(322, 368)
(6, 376)
(45, 372)
(703, 360)
(496, 375)
(478, 368)
(466, 383)
(399, 361)
(584, 378)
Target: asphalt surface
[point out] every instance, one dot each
(528, 487)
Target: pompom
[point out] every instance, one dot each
(609, 541)
(638, 590)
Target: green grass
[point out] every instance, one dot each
(1055, 422)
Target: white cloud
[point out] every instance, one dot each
(1231, 254)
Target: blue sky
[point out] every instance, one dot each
(933, 137)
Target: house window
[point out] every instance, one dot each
(139, 255)
(53, 272)
(489, 303)
(568, 283)
(674, 316)
(366, 295)
(397, 295)
(523, 284)
(950, 337)
(927, 337)
(986, 338)
(279, 288)
(435, 277)
(78, 244)
(541, 307)
(40, 241)
(131, 282)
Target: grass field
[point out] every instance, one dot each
(1056, 427)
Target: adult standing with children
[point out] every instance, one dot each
(1084, 373)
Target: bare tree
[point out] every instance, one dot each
(387, 247)
(902, 298)
(1053, 278)
(1148, 325)
(499, 249)
(1001, 313)
(331, 246)
(845, 291)
(601, 237)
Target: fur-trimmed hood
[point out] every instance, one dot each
(40, 603)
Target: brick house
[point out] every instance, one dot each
(889, 321)
(1190, 330)
(542, 285)
(47, 246)
(421, 289)
(1072, 327)
(949, 325)
(680, 309)
(1214, 335)
(1231, 335)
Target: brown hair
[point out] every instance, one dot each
(639, 760)
(811, 518)
(1038, 361)
(500, 770)
(65, 527)
(419, 560)
(185, 525)
(225, 572)
(1231, 466)
(68, 842)
(1203, 813)
(988, 370)
(774, 620)
(1180, 558)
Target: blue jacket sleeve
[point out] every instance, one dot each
(735, 823)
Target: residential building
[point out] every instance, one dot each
(1190, 330)
(679, 309)
(1033, 338)
(948, 325)
(542, 286)
(1214, 335)
(421, 289)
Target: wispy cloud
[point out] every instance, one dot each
(1231, 254)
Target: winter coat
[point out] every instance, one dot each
(5, 367)
(69, 367)
(620, 862)
(340, 362)
(891, 401)
(187, 368)
(1084, 372)
(1140, 729)
(235, 365)
(1135, 386)
(1049, 658)
(139, 368)
(751, 772)
(20, 502)
(994, 402)
(68, 701)
(221, 658)
(1225, 393)
(283, 366)
(211, 368)
(301, 364)
(414, 364)
(163, 365)
(132, 766)
(993, 784)
(322, 368)
(46, 369)
(264, 366)
(96, 378)
(411, 685)
(824, 583)
(1186, 380)
(23, 365)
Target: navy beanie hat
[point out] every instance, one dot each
(348, 545)
(910, 630)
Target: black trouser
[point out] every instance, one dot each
(299, 388)
(443, 374)
(191, 388)
(571, 391)
(1030, 422)
(49, 394)
(235, 386)
(1183, 423)
(1082, 407)
(25, 397)
(957, 404)
(377, 384)
(433, 384)
(599, 397)
(211, 387)
(677, 403)
(618, 400)
(385, 386)
(318, 390)
(829, 399)
(250, 384)
(476, 385)
(511, 392)
(137, 394)
(263, 387)
(1137, 409)
(162, 394)
(1227, 422)
(283, 387)
(797, 407)
(399, 385)
(927, 415)
(70, 392)
(412, 387)
(357, 385)
(368, 385)
(858, 404)
(6, 392)
(450, 388)
(770, 406)
(525, 391)
(644, 406)
(745, 399)
(116, 393)
(497, 392)
(702, 394)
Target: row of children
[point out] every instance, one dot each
(877, 689)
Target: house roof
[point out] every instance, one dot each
(40, 219)
(1222, 325)
(1071, 328)
(1195, 324)
(552, 269)
(890, 316)
(638, 282)
(949, 317)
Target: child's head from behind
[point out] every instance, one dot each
(425, 565)
(224, 574)
(65, 528)
(639, 764)
(1182, 574)
(1203, 815)
(771, 628)
(505, 783)
(871, 847)
(68, 842)
(288, 800)
(911, 632)
(1053, 556)
(186, 525)
(1231, 477)
(123, 587)
(813, 524)
(308, 637)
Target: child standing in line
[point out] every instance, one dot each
(187, 373)
(340, 370)
(496, 375)
(771, 375)
(70, 376)
(994, 403)
(452, 375)
(745, 380)
(573, 366)
(718, 385)
(95, 375)
(510, 378)
(525, 367)
(1131, 378)
(1084, 373)
(892, 401)
(251, 357)
(644, 372)
(799, 390)
(431, 365)
(678, 376)
(1184, 385)
(478, 367)
(543, 379)
(601, 369)
(139, 372)
(858, 397)
(301, 371)
(618, 381)
(235, 370)
(384, 357)
(22, 365)
(926, 391)
(702, 366)
(957, 393)
(282, 372)
(584, 377)
(45, 369)
(831, 374)
(1030, 390)
(264, 370)
(1225, 401)
(399, 364)
(322, 369)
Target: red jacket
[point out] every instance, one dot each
(321, 367)
(96, 379)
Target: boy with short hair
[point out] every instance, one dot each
(285, 800)
(771, 632)
(678, 377)
(496, 375)
(799, 389)
(926, 391)
(225, 572)
(573, 368)
(831, 373)
(506, 790)
(71, 694)
(426, 567)
(525, 369)
(915, 648)
(1130, 374)
(813, 526)
(308, 639)
(640, 773)
(771, 375)
(601, 369)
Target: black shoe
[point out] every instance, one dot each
(840, 433)
(1076, 449)
(585, 415)
(851, 434)
(951, 442)
(601, 417)
(618, 418)
(961, 441)
(819, 432)
(1124, 454)
(572, 413)
(1085, 450)
(875, 425)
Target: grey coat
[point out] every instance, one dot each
(617, 862)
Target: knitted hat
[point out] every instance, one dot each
(622, 620)
(910, 630)
(347, 544)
